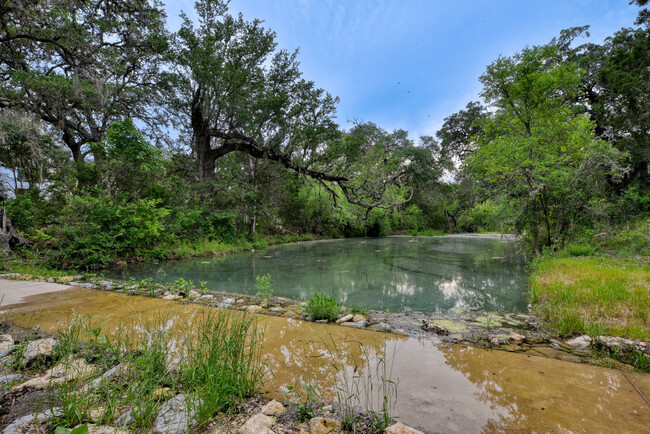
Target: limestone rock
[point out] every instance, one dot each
(516, 338)
(125, 420)
(229, 301)
(276, 309)
(359, 325)
(108, 375)
(6, 345)
(172, 297)
(31, 423)
(358, 317)
(253, 308)
(400, 428)
(345, 318)
(580, 343)
(40, 347)
(207, 297)
(104, 429)
(273, 408)
(323, 425)
(322, 321)
(8, 379)
(435, 328)
(59, 374)
(258, 424)
(194, 294)
(494, 342)
(65, 279)
(175, 416)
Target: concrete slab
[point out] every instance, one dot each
(14, 291)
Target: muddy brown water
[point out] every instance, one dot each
(440, 389)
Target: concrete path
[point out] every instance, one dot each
(14, 291)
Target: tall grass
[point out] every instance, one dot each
(593, 296)
(214, 360)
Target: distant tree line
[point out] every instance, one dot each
(119, 138)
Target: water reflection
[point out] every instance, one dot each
(456, 389)
(429, 274)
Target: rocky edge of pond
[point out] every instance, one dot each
(514, 332)
(26, 405)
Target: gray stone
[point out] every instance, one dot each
(435, 328)
(229, 301)
(175, 416)
(31, 423)
(580, 343)
(345, 318)
(276, 309)
(194, 294)
(359, 324)
(254, 308)
(309, 318)
(6, 350)
(40, 347)
(207, 297)
(494, 342)
(126, 419)
(322, 321)
(382, 326)
(258, 424)
(83, 285)
(9, 379)
(108, 375)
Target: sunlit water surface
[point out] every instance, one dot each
(428, 274)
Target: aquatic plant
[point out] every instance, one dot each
(264, 288)
(321, 306)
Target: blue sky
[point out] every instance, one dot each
(410, 63)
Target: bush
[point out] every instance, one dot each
(323, 307)
(94, 232)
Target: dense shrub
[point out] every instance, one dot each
(94, 232)
(321, 306)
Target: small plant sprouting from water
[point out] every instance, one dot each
(321, 306)
(371, 387)
(264, 288)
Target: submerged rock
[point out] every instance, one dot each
(400, 428)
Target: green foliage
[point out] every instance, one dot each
(321, 306)
(307, 401)
(264, 288)
(94, 232)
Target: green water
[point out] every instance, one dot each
(427, 274)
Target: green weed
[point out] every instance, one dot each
(321, 306)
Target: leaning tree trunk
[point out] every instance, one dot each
(9, 236)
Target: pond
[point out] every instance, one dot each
(426, 274)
